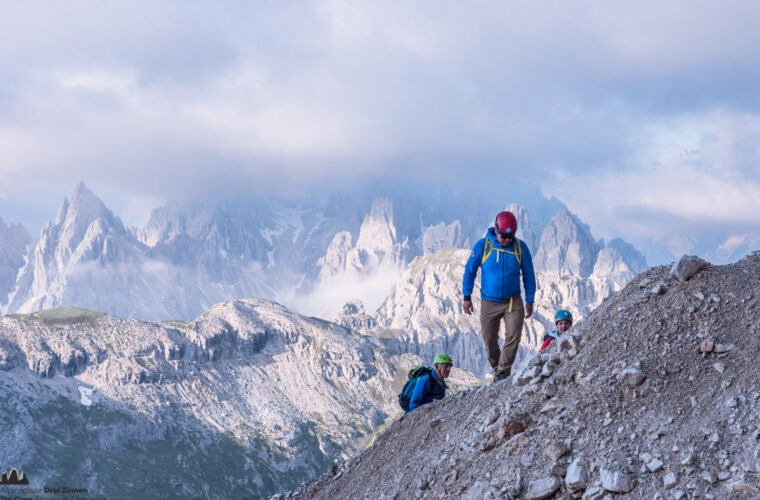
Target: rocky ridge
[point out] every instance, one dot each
(241, 402)
(653, 395)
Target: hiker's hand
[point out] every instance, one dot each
(528, 310)
(467, 307)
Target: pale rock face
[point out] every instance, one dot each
(88, 259)
(376, 246)
(610, 265)
(525, 230)
(354, 317)
(566, 248)
(14, 240)
(442, 236)
(423, 313)
(250, 369)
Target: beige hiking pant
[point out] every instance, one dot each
(491, 314)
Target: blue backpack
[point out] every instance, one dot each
(415, 374)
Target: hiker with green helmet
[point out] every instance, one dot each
(563, 320)
(431, 386)
(502, 259)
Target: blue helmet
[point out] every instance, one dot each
(563, 314)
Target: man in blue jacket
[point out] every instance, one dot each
(432, 386)
(502, 258)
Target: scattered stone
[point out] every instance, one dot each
(644, 283)
(700, 295)
(720, 348)
(731, 403)
(548, 369)
(655, 465)
(669, 480)
(493, 415)
(576, 477)
(707, 346)
(723, 475)
(549, 407)
(567, 343)
(632, 377)
(615, 481)
(556, 450)
(542, 488)
(688, 266)
(719, 367)
(658, 289)
(742, 486)
(594, 493)
(679, 495)
(528, 374)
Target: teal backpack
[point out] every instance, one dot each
(415, 374)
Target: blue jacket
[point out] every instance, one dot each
(427, 389)
(500, 273)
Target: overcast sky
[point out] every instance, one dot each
(643, 117)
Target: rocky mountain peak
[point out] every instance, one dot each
(75, 218)
(525, 230)
(566, 247)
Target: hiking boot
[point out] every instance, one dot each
(500, 376)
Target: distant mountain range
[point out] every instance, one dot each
(190, 256)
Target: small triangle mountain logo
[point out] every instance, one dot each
(14, 477)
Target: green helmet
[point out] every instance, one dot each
(442, 359)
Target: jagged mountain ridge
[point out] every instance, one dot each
(192, 255)
(241, 402)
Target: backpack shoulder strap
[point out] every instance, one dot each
(486, 251)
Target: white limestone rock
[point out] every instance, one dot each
(615, 482)
(542, 488)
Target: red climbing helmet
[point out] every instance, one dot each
(505, 224)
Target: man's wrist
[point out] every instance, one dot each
(467, 298)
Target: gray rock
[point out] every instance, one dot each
(632, 377)
(724, 348)
(669, 480)
(719, 367)
(742, 486)
(658, 289)
(493, 415)
(655, 465)
(542, 488)
(548, 369)
(688, 266)
(576, 477)
(555, 450)
(594, 493)
(615, 481)
(528, 374)
(567, 343)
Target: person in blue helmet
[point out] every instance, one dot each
(563, 320)
(502, 259)
(432, 386)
